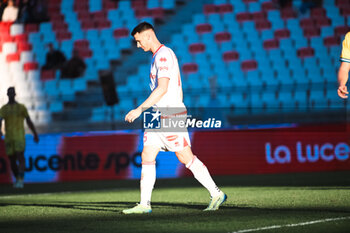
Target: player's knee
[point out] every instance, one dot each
(148, 162)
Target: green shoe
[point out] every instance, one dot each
(138, 209)
(216, 202)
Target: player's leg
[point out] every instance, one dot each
(148, 179)
(13, 164)
(10, 151)
(148, 173)
(202, 174)
(21, 168)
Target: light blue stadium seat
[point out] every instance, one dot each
(238, 6)
(299, 76)
(51, 87)
(113, 53)
(67, 4)
(287, 47)
(92, 34)
(66, 90)
(255, 102)
(260, 56)
(284, 77)
(317, 99)
(254, 7)
(199, 19)
(293, 24)
(253, 78)
(79, 84)
(203, 100)
(302, 102)
(229, 19)
(275, 55)
(309, 62)
(245, 55)
(248, 27)
(99, 114)
(223, 80)
(267, 35)
(95, 5)
(55, 106)
(327, 31)
(321, 52)
(238, 79)
(168, 5)
(270, 102)
(239, 103)
(274, 15)
(45, 27)
(67, 48)
(151, 4)
(338, 21)
(34, 38)
(219, 2)
(226, 46)
(314, 74)
(287, 101)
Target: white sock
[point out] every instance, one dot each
(201, 173)
(148, 178)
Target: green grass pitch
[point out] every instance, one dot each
(310, 202)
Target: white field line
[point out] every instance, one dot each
(293, 224)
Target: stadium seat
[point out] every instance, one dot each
(189, 68)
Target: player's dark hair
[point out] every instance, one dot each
(142, 27)
(11, 90)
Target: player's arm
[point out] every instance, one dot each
(343, 75)
(0, 128)
(153, 98)
(32, 128)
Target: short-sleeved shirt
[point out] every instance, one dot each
(345, 53)
(165, 65)
(14, 115)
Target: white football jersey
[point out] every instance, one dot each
(165, 65)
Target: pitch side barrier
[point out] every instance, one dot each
(239, 150)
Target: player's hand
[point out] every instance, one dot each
(36, 138)
(343, 92)
(133, 115)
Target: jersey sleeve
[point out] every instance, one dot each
(345, 53)
(24, 111)
(164, 63)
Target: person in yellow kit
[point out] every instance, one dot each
(14, 114)
(343, 73)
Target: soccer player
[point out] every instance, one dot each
(14, 114)
(165, 83)
(343, 73)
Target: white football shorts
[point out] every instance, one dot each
(167, 141)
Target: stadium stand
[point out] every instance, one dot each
(247, 45)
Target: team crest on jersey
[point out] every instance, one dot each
(162, 59)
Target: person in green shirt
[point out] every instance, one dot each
(14, 113)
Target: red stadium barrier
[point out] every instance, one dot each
(273, 150)
(225, 152)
